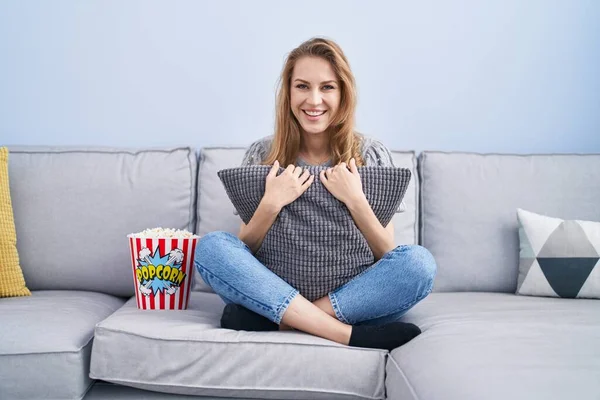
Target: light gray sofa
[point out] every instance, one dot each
(80, 334)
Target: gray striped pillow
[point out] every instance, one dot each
(314, 244)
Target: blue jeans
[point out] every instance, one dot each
(382, 293)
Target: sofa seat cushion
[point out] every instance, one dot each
(186, 352)
(46, 340)
(109, 391)
(498, 346)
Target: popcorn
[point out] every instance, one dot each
(156, 233)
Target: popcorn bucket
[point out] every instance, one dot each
(163, 271)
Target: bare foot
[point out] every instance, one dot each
(304, 316)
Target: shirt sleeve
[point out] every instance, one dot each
(257, 152)
(376, 154)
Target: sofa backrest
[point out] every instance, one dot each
(469, 204)
(74, 207)
(215, 211)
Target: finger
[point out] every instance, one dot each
(328, 172)
(274, 169)
(323, 177)
(290, 168)
(308, 182)
(343, 165)
(305, 175)
(353, 167)
(297, 171)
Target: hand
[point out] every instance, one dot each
(288, 186)
(343, 183)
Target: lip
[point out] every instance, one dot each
(313, 118)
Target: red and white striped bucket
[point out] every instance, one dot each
(163, 271)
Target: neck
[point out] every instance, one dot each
(316, 146)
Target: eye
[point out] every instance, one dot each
(328, 87)
(301, 86)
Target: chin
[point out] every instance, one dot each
(314, 130)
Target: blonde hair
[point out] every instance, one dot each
(344, 141)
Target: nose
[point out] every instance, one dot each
(314, 98)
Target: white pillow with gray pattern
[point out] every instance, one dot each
(558, 258)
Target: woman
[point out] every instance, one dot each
(315, 126)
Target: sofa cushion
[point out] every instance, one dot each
(314, 244)
(558, 258)
(498, 346)
(75, 206)
(186, 352)
(406, 224)
(109, 391)
(469, 204)
(12, 282)
(216, 212)
(46, 340)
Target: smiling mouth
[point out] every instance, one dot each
(314, 113)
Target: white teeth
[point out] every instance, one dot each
(314, 113)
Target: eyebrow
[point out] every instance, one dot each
(302, 80)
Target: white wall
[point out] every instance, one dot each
(486, 76)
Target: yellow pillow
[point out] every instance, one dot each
(12, 282)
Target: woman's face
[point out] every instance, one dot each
(314, 94)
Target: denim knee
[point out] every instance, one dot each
(214, 246)
(216, 238)
(214, 241)
(423, 267)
